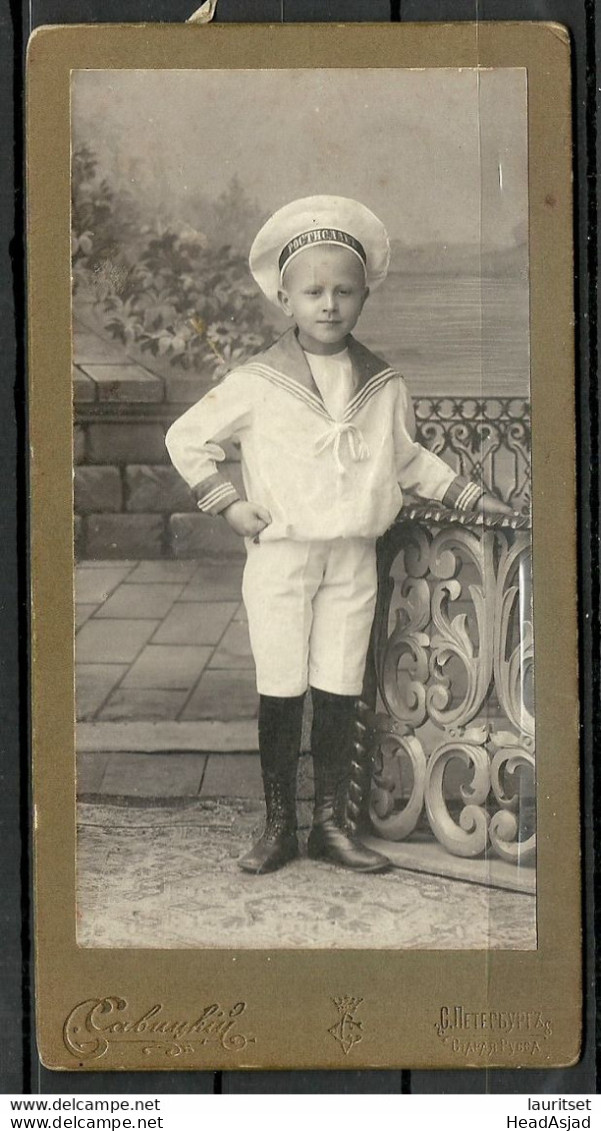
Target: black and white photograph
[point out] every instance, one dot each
(302, 495)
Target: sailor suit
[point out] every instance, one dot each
(331, 486)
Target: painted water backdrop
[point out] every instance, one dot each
(461, 334)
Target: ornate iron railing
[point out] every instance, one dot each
(485, 438)
(452, 651)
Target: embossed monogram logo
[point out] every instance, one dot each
(347, 1031)
(96, 1025)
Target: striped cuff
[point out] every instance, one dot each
(214, 494)
(462, 494)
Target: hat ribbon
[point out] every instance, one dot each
(357, 446)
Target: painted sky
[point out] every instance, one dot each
(439, 155)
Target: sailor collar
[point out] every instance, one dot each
(284, 364)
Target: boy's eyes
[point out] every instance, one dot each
(316, 291)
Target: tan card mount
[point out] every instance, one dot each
(155, 156)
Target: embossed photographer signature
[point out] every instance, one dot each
(96, 1025)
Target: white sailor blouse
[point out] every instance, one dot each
(319, 478)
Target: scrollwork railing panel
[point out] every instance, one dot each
(469, 837)
(453, 655)
(394, 816)
(450, 551)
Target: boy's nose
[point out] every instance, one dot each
(329, 302)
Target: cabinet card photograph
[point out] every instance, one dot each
(395, 435)
(310, 471)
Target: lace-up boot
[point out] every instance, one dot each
(280, 722)
(339, 781)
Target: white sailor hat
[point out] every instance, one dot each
(313, 220)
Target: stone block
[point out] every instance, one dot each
(84, 389)
(127, 383)
(153, 775)
(95, 682)
(90, 348)
(124, 536)
(232, 775)
(79, 444)
(97, 489)
(200, 535)
(106, 643)
(132, 704)
(83, 614)
(155, 573)
(166, 667)
(96, 585)
(141, 601)
(156, 489)
(183, 388)
(126, 442)
(193, 622)
(215, 581)
(78, 537)
(224, 695)
(234, 648)
(90, 772)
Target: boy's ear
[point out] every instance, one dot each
(284, 302)
(365, 297)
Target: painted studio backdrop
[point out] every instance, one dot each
(173, 173)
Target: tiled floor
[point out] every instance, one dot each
(163, 647)
(162, 641)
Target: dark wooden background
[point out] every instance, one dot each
(20, 1069)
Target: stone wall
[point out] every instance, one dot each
(129, 501)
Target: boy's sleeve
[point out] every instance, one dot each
(422, 472)
(193, 442)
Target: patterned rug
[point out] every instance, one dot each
(162, 875)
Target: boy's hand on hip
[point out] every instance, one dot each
(246, 518)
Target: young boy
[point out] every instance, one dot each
(326, 432)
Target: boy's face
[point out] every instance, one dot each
(324, 290)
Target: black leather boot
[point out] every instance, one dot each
(337, 793)
(280, 722)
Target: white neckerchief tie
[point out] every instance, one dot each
(333, 375)
(357, 446)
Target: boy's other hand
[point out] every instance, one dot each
(490, 505)
(246, 518)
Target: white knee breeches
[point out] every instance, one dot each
(310, 609)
